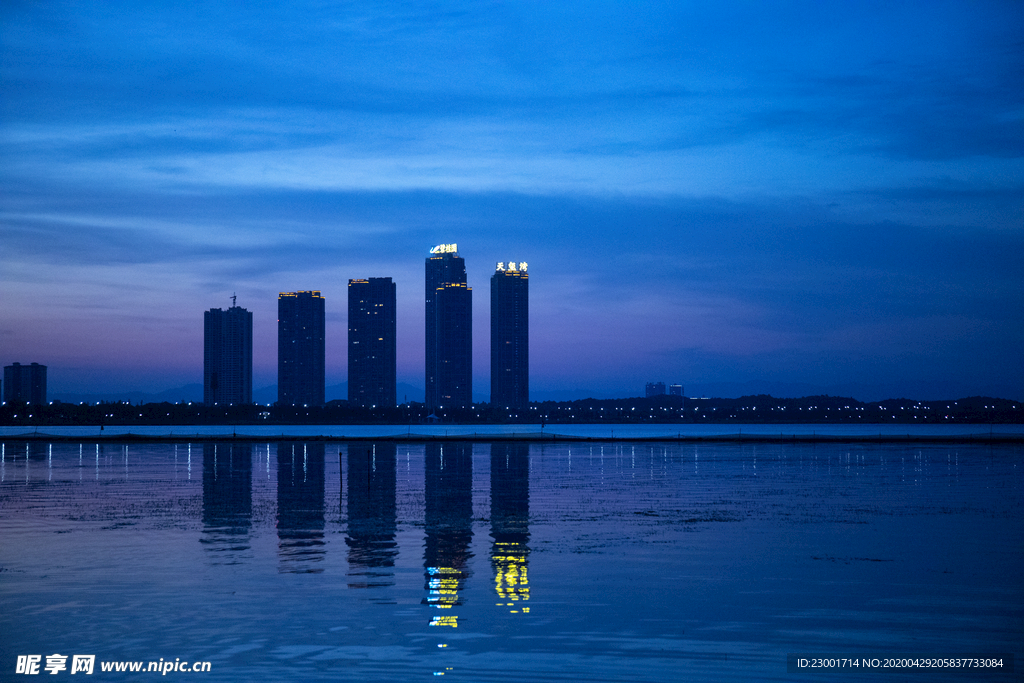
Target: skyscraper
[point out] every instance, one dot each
(371, 342)
(654, 389)
(510, 336)
(25, 383)
(449, 330)
(300, 349)
(227, 356)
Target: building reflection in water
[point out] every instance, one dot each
(372, 515)
(510, 524)
(448, 526)
(227, 499)
(300, 507)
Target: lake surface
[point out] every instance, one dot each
(510, 561)
(595, 431)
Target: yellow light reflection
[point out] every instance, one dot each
(511, 580)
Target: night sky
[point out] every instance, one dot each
(779, 195)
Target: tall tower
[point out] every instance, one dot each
(227, 356)
(449, 328)
(510, 336)
(371, 342)
(300, 349)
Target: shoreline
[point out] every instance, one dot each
(539, 437)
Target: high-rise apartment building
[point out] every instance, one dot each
(449, 330)
(510, 335)
(227, 356)
(371, 342)
(300, 349)
(655, 389)
(25, 383)
(675, 389)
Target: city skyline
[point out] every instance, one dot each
(451, 250)
(822, 199)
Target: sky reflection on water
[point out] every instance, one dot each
(595, 431)
(635, 562)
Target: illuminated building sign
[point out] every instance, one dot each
(445, 249)
(511, 267)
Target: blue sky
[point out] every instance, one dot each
(707, 193)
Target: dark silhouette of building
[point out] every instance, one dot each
(675, 389)
(227, 499)
(371, 342)
(25, 383)
(510, 336)
(655, 389)
(449, 330)
(300, 349)
(227, 356)
(300, 507)
(372, 514)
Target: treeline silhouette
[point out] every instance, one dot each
(658, 409)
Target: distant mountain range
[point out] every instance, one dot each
(194, 393)
(268, 394)
(189, 392)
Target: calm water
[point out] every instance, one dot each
(596, 431)
(487, 562)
